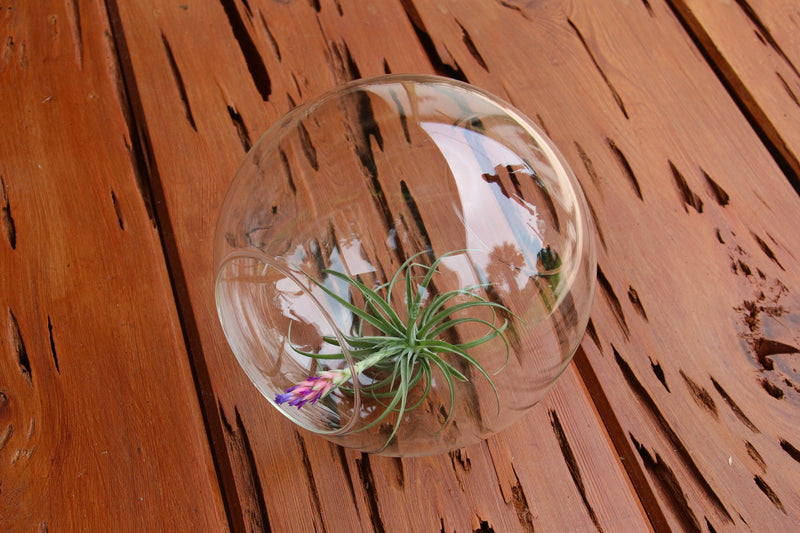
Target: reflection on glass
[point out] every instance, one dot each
(420, 192)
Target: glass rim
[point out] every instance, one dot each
(288, 274)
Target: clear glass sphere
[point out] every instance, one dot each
(404, 265)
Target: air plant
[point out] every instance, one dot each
(406, 347)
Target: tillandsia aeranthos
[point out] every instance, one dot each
(406, 348)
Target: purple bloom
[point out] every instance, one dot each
(310, 390)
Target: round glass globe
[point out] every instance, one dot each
(404, 265)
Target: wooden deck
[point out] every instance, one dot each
(121, 126)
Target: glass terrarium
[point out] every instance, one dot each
(404, 265)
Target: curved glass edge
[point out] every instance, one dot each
(269, 395)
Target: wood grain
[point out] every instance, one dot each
(100, 428)
(679, 322)
(121, 406)
(304, 51)
(754, 49)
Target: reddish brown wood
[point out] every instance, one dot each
(754, 48)
(691, 287)
(100, 428)
(680, 412)
(296, 480)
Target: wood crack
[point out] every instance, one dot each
(772, 389)
(252, 58)
(613, 301)
(460, 461)
(429, 47)
(470, 44)
(117, 211)
(483, 527)
(764, 32)
(659, 373)
(767, 250)
(297, 85)
(52, 344)
(700, 395)
(767, 490)
(241, 128)
(588, 165)
(514, 7)
(400, 111)
(270, 36)
(12, 48)
(614, 93)
(626, 167)
(137, 142)
(572, 465)
(719, 194)
(6, 434)
(417, 219)
(176, 74)
(793, 452)
(18, 350)
(307, 145)
(678, 446)
(309, 150)
(764, 348)
(312, 484)
(253, 509)
(592, 332)
(788, 89)
(688, 196)
(247, 9)
(368, 481)
(755, 456)
(520, 502)
(734, 407)
(138, 151)
(633, 296)
(6, 219)
(287, 170)
(669, 486)
(399, 471)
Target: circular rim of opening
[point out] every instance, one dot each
(271, 263)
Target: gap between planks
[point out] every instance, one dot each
(767, 132)
(152, 189)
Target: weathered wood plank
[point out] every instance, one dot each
(754, 48)
(250, 63)
(695, 324)
(100, 427)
